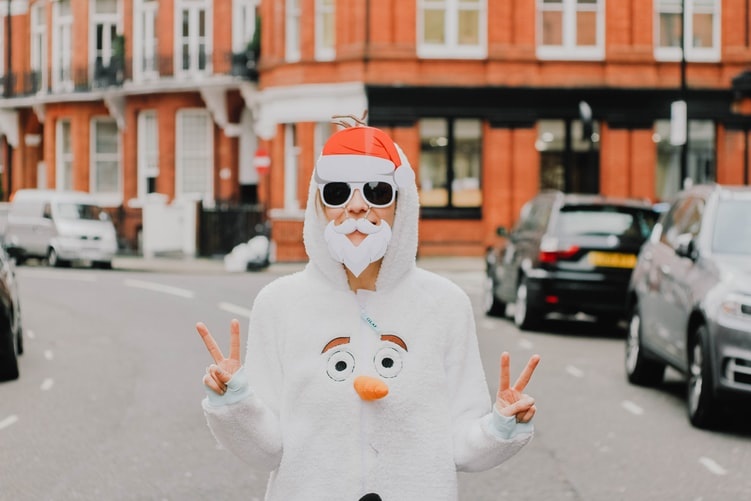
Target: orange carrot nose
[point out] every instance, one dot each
(370, 388)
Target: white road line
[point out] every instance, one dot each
(526, 344)
(48, 354)
(8, 421)
(153, 286)
(47, 384)
(712, 466)
(233, 308)
(574, 371)
(30, 334)
(632, 407)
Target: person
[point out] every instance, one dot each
(362, 378)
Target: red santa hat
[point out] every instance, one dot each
(363, 154)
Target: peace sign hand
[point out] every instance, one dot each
(510, 401)
(221, 371)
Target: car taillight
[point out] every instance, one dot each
(552, 257)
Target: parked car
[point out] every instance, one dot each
(690, 300)
(568, 253)
(61, 227)
(11, 332)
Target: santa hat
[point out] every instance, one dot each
(363, 154)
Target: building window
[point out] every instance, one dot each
(571, 29)
(62, 47)
(145, 40)
(452, 29)
(105, 157)
(700, 29)
(325, 30)
(194, 156)
(64, 156)
(38, 47)
(243, 24)
(104, 40)
(193, 43)
(569, 156)
(700, 158)
(291, 168)
(148, 152)
(450, 166)
(292, 31)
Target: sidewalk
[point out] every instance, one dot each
(203, 265)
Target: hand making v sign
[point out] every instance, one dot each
(510, 400)
(221, 371)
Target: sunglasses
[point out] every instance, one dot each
(377, 194)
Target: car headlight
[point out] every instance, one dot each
(737, 305)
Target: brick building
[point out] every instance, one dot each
(491, 100)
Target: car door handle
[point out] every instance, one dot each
(665, 269)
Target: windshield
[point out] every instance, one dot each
(70, 210)
(732, 231)
(606, 220)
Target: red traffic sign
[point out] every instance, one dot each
(261, 161)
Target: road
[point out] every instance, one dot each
(108, 403)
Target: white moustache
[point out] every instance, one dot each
(363, 225)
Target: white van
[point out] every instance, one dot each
(61, 227)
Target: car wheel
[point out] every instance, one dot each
(491, 304)
(54, 260)
(640, 369)
(527, 316)
(703, 407)
(8, 350)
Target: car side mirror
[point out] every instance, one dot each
(501, 231)
(686, 246)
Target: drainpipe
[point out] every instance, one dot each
(7, 92)
(684, 146)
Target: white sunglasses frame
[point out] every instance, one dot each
(356, 185)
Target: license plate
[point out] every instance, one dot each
(612, 260)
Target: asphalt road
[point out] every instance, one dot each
(108, 403)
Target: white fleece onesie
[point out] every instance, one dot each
(302, 420)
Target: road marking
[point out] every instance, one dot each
(233, 308)
(30, 334)
(632, 407)
(47, 384)
(574, 371)
(526, 344)
(48, 354)
(166, 289)
(712, 466)
(8, 421)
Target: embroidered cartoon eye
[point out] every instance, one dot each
(388, 362)
(341, 365)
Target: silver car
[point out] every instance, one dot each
(690, 301)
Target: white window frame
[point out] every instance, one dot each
(243, 24)
(147, 150)
(291, 168)
(145, 40)
(292, 21)
(112, 197)
(693, 54)
(568, 50)
(108, 21)
(451, 48)
(62, 49)
(324, 9)
(194, 40)
(63, 158)
(38, 61)
(206, 152)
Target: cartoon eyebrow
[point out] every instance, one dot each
(394, 339)
(334, 343)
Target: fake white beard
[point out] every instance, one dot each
(357, 257)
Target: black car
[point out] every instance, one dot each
(690, 300)
(568, 253)
(11, 338)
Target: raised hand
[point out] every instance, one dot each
(510, 400)
(221, 371)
